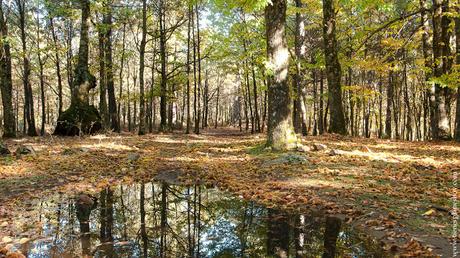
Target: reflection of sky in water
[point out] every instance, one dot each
(180, 220)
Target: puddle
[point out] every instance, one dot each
(162, 220)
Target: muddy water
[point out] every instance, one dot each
(164, 220)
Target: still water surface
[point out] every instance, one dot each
(163, 220)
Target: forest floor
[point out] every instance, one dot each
(400, 192)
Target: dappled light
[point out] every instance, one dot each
(229, 128)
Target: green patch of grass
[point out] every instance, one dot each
(7, 160)
(257, 150)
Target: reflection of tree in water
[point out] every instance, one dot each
(164, 220)
(84, 205)
(106, 221)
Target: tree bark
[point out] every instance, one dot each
(281, 135)
(6, 83)
(141, 130)
(440, 124)
(300, 116)
(41, 64)
(333, 70)
(189, 24)
(390, 87)
(457, 60)
(103, 111)
(163, 83)
(198, 56)
(120, 76)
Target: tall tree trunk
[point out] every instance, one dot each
(107, 20)
(390, 88)
(427, 56)
(120, 76)
(457, 60)
(281, 133)
(440, 125)
(69, 54)
(217, 106)
(28, 96)
(333, 70)
(189, 24)
(58, 66)
(6, 83)
(321, 104)
(299, 104)
(248, 95)
(205, 100)
(198, 56)
(256, 106)
(163, 83)
(103, 111)
(141, 130)
(41, 64)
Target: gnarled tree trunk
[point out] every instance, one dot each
(81, 117)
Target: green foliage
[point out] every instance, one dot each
(450, 80)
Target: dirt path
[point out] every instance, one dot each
(397, 191)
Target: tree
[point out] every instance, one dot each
(281, 134)
(141, 69)
(6, 84)
(28, 96)
(457, 60)
(333, 69)
(109, 66)
(440, 123)
(300, 116)
(81, 117)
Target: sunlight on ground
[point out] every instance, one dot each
(108, 146)
(313, 182)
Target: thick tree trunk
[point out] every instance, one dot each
(81, 117)
(163, 83)
(440, 124)
(281, 135)
(6, 83)
(333, 70)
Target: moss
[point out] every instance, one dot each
(78, 119)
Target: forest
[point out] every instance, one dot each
(265, 119)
